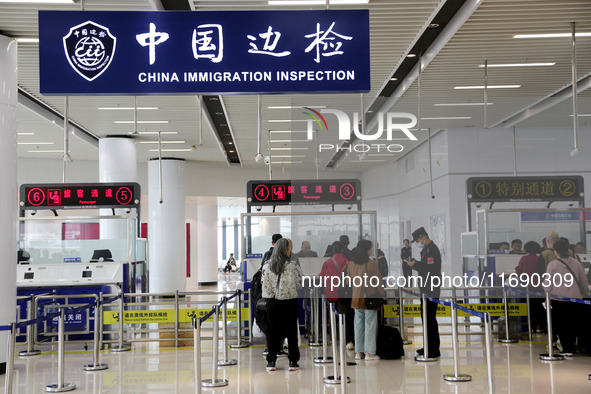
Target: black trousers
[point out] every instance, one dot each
(283, 322)
(432, 326)
(564, 321)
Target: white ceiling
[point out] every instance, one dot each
(395, 26)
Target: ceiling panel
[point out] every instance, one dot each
(395, 27)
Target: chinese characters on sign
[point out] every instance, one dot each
(218, 52)
(79, 195)
(567, 188)
(304, 192)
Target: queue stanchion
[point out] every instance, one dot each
(239, 342)
(314, 340)
(197, 353)
(10, 360)
(550, 356)
(30, 332)
(401, 317)
(225, 361)
(98, 322)
(214, 381)
(342, 343)
(489, 362)
(425, 356)
(528, 316)
(60, 386)
(335, 378)
(507, 338)
(324, 359)
(121, 346)
(456, 376)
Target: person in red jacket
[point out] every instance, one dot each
(334, 267)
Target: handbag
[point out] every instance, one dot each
(267, 304)
(373, 302)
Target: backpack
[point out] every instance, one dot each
(256, 293)
(389, 341)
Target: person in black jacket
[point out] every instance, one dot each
(405, 255)
(429, 266)
(269, 253)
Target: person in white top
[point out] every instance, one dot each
(282, 280)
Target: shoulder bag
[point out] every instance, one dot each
(266, 304)
(374, 302)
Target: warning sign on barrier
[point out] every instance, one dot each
(167, 316)
(495, 309)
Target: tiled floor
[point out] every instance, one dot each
(148, 369)
(151, 369)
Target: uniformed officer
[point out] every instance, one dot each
(428, 267)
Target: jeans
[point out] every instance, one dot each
(366, 330)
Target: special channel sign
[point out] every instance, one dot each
(177, 52)
(307, 192)
(534, 188)
(81, 195)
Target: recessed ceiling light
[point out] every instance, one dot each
(285, 148)
(26, 133)
(316, 2)
(295, 106)
(286, 156)
(580, 115)
(433, 25)
(231, 151)
(164, 142)
(155, 132)
(142, 121)
(46, 151)
(367, 161)
(287, 131)
(458, 104)
(288, 140)
(126, 108)
(489, 87)
(230, 143)
(286, 120)
(393, 79)
(411, 55)
(35, 143)
(287, 162)
(518, 65)
(27, 40)
(172, 150)
(449, 118)
(40, 1)
(551, 35)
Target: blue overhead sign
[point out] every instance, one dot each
(184, 52)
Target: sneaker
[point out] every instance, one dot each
(371, 357)
(266, 351)
(421, 351)
(271, 366)
(359, 356)
(566, 354)
(281, 353)
(350, 346)
(293, 366)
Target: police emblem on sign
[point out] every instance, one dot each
(89, 48)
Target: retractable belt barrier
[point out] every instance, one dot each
(96, 366)
(457, 376)
(215, 362)
(341, 379)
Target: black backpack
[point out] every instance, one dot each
(256, 293)
(389, 342)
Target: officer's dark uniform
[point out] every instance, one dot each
(427, 267)
(405, 254)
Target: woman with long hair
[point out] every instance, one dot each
(366, 320)
(282, 279)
